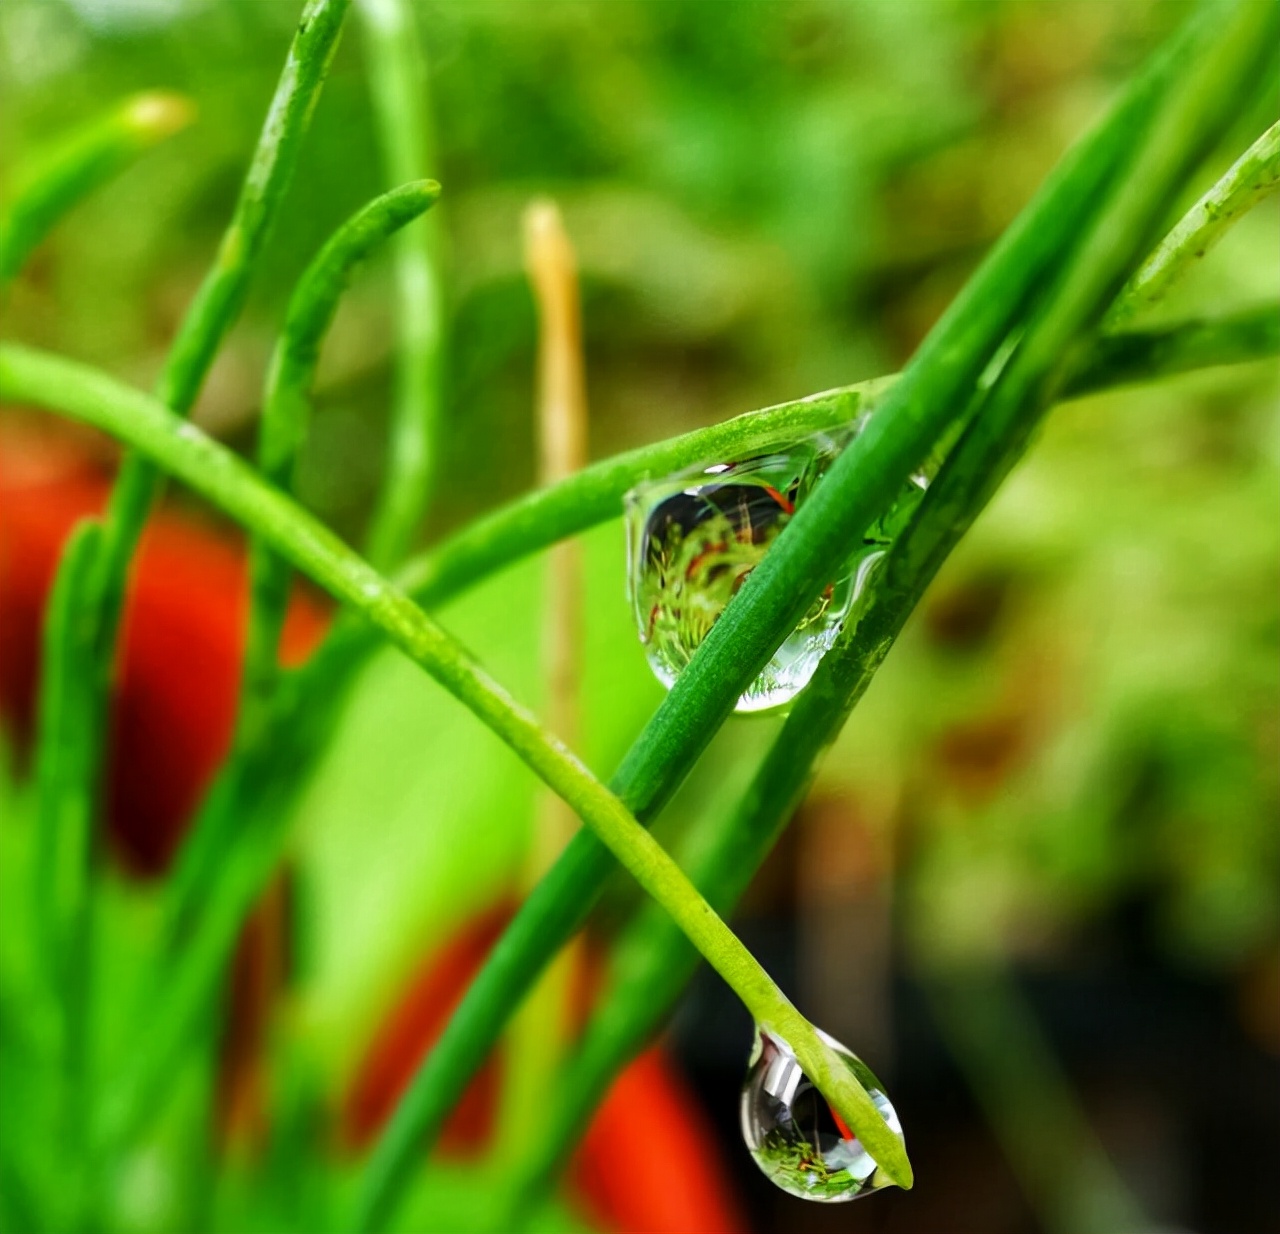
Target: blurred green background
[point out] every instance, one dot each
(1054, 819)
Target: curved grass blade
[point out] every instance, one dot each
(230, 484)
(929, 399)
(216, 304)
(594, 495)
(65, 837)
(82, 163)
(285, 414)
(1253, 177)
(652, 963)
(240, 879)
(402, 115)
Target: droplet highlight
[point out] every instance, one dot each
(796, 1138)
(694, 537)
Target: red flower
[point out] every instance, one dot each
(184, 623)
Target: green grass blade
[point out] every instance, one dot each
(241, 880)
(310, 313)
(652, 963)
(223, 479)
(222, 293)
(1138, 356)
(63, 825)
(286, 411)
(82, 163)
(400, 86)
(594, 495)
(65, 836)
(203, 328)
(928, 399)
(1253, 177)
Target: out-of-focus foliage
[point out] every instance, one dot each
(768, 199)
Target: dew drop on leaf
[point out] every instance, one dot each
(796, 1138)
(694, 537)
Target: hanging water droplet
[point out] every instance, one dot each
(692, 539)
(796, 1138)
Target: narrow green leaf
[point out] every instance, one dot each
(652, 961)
(65, 834)
(203, 328)
(399, 83)
(929, 399)
(285, 414)
(216, 473)
(81, 163)
(1253, 177)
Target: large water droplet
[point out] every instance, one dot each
(796, 1138)
(692, 539)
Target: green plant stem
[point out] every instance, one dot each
(220, 477)
(64, 827)
(310, 313)
(927, 401)
(303, 722)
(402, 115)
(594, 496)
(101, 592)
(651, 963)
(1250, 179)
(81, 163)
(285, 415)
(286, 405)
(65, 838)
(1131, 357)
(218, 301)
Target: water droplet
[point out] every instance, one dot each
(796, 1138)
(694, 537)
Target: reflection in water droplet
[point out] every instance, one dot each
(796, 1138)
(693, 538)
